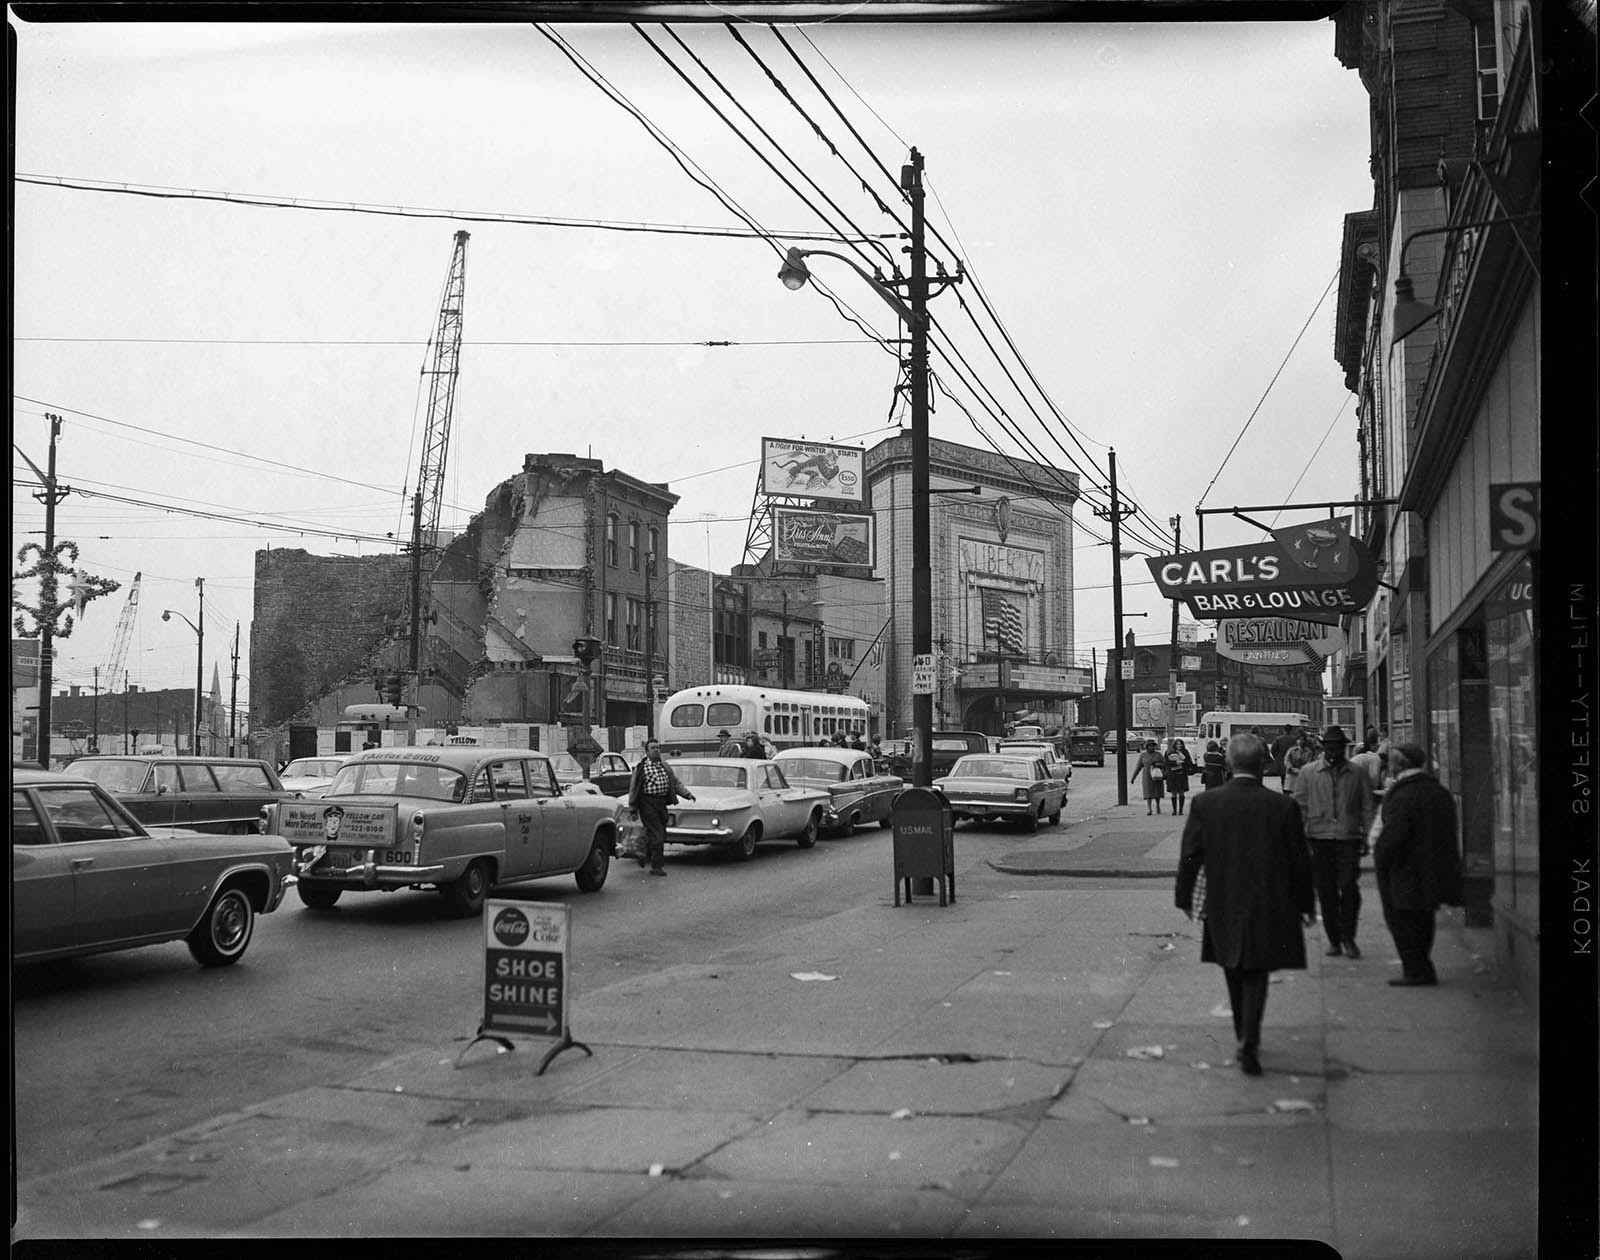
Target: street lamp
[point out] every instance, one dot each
(913, 312)
(168, 614)
(1409, 313)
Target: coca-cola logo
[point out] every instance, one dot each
(511, 927)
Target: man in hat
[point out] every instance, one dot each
(1336, 804)
(1416, 861)
(728, 746)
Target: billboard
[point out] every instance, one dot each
(812, 470)
(802, 536)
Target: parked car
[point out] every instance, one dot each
(461, 819)
(739, 802)
(201, 793)
(897, 753)
(310, 776)
(1058, 766)
(87, 877)
(988, 786)
(859, 793)
(609, 772)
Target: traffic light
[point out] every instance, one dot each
(393, 689)
(1222, 693)
(587, 649)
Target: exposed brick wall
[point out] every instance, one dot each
(1434, 102)
(319, 621)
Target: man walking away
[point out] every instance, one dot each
(1416, 860)
(1280, 750)
(1336, 805)
(1248, 842)
(1369, 761)
(653, 789)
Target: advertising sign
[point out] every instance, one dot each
(1277, 641)
(525, 967)
(1514, 512)
(1150, 710)
(801, 536)
(322, 822)
(812, 469)
(1316, 572)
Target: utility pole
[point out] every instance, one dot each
(921, 550)
(1115, 511)
(1172, 663)
(94, 711)
(650, 648)
(233, 700)
(126, 734)
(49, 496)
(199, 663)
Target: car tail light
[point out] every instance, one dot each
(418, 826)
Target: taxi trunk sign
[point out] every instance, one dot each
(525, 972)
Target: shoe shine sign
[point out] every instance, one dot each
(1314, 572)
(525, 972)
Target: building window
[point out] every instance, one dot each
(611, 618)
(633, 545)
(654, 550)
(635, 625)
(1488, 72)
(611, 537)
(841, 649)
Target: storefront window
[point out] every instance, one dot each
(1514, 714)
(1444, 715)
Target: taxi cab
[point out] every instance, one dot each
(461, 819)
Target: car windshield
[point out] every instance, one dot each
(949, 745)
(815, 768)
(701, 775)
(310, 768)
(399, 778)
(567, 768)
(114, 776)
(991, 768)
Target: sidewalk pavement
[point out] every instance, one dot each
(1035, 1060)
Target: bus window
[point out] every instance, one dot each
(688, 715)
(723, 714)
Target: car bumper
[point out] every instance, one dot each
(992, 807)
(369, 874)
(699, 835)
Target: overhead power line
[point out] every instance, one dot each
(264, 201)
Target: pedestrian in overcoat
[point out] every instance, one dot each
(1180, 765)
(1214, 771)
(1150, 771)
(1416, 861)
(1248, 841)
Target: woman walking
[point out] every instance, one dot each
(1180, 765)
(1150, 771)
(1214, 773)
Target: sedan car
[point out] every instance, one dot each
(87, 877)
(739, 802)
(461, 819)
(1059, 767)
(610, 772)
(310, 776)
(858, 792)
(202, 793)
(989, 786)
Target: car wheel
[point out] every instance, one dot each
(318, 896)
(1055, 818)
(465, 896)
(222, 936)
(848, 826)
(808, 837)
(1031, 822)
(745, 848)
(591, 876)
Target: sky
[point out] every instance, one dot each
(1152, 212)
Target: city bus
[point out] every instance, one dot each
(691, 719)
(1221, 726)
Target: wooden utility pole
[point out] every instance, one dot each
(233, 700)
(49, 496)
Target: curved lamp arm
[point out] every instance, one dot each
(794, 273)
(167, 614)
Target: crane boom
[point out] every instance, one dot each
(119, 641)
(428, 498)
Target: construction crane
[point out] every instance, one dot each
(428, 497)
(119, 641)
